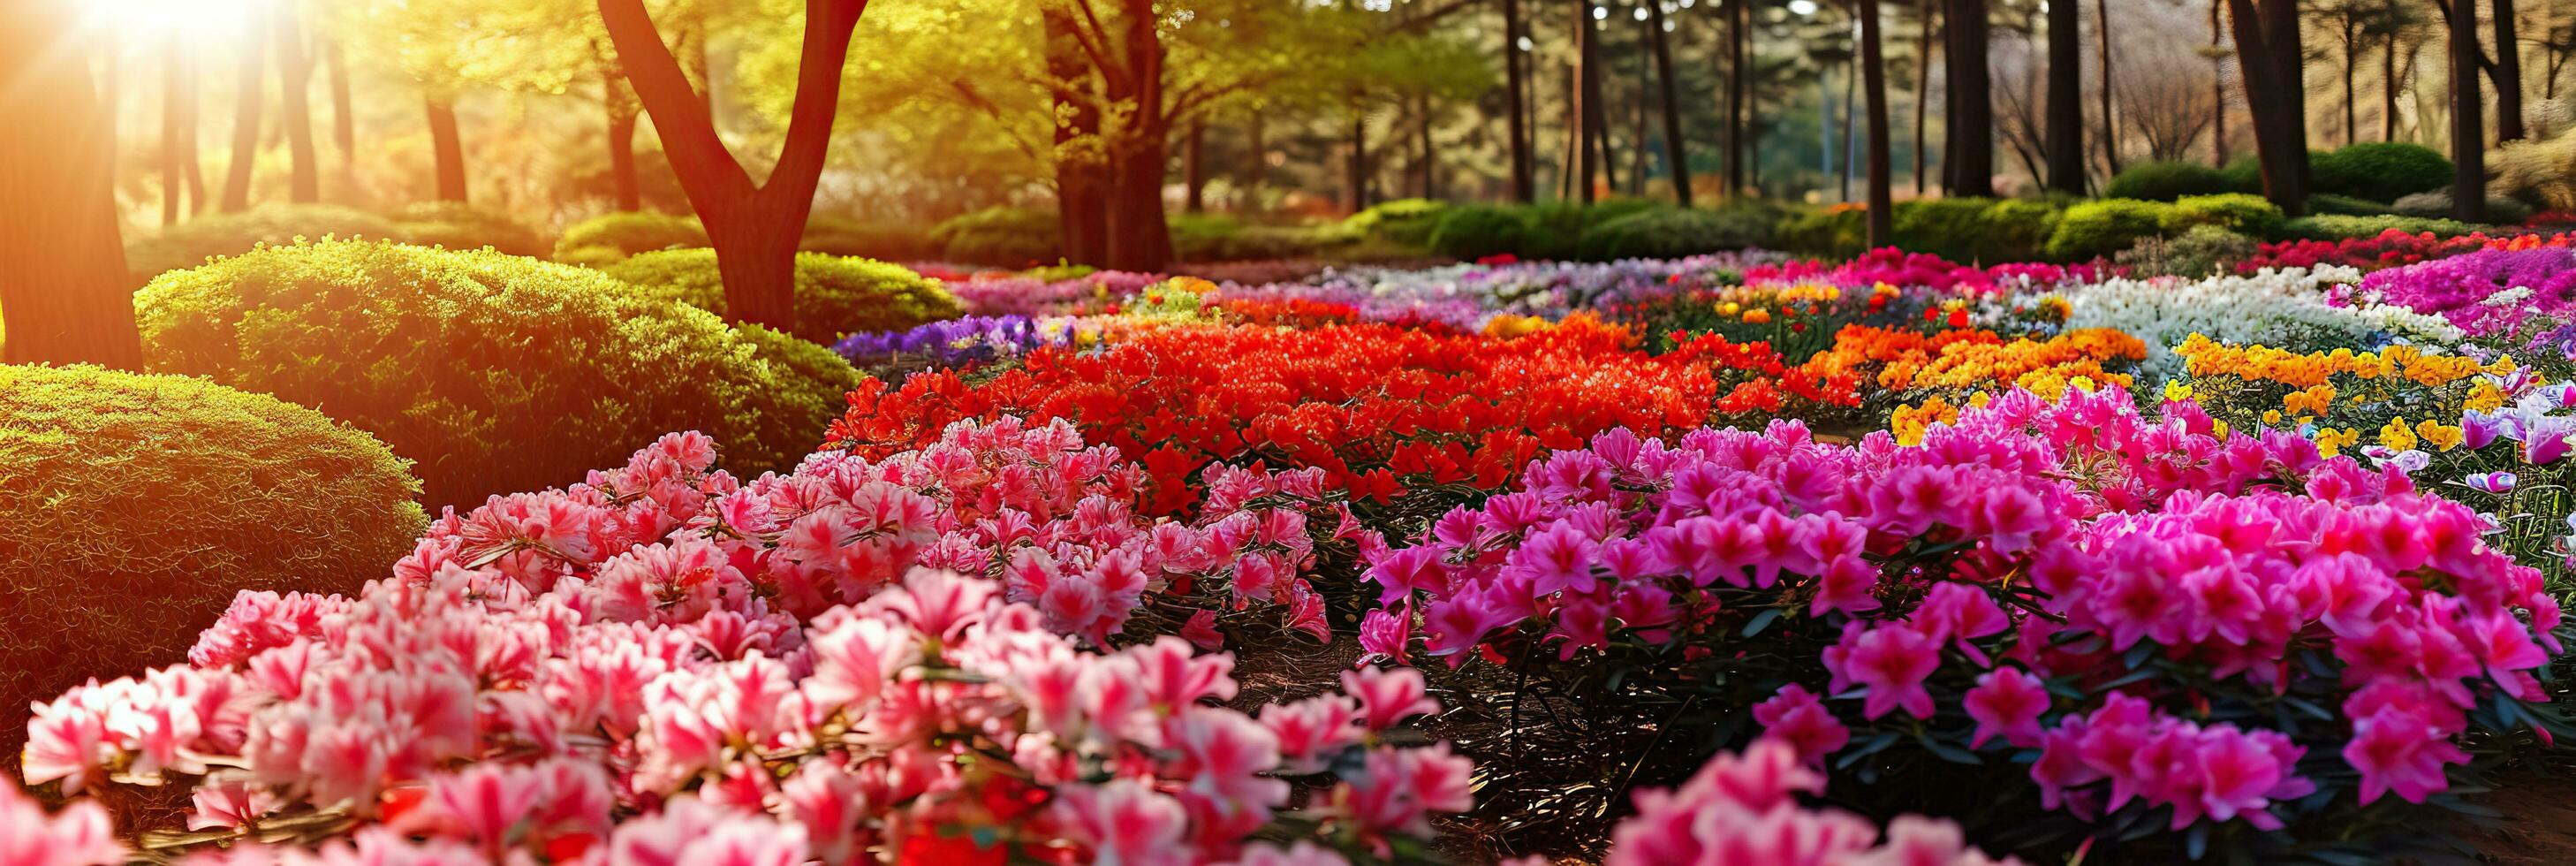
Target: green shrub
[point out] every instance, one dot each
(1405, 221)
(2014, 230)
(2102, 227)
(191, 243)
(1555, 229)
(2333, 228)
(884, 241)
(493, 373)
(2242, 213)
(2344, 205)
(1009, 237)
(630, 232)
(2199, 252)
(460, 226)
(1947, 227)
(835, 295)
(1830, 232)
(2438, 205)
(808, 387)
(1217, 238)
(2382, 171)
(2166, 181)
(1669, 233)
(2243, 174)
(1476, 231)
(135, 506)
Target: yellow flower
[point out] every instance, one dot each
(2442, 437)
(2484, 397)
(2398, 435)
(2272, 417)
(2176, 391)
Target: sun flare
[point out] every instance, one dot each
(175, 16)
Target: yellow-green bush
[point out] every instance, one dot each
(835, 296)
(2103, 227)
(133, 507)
(460, 226)
(628, 233)
(1008, 237)
(494, 373)
(189, 244)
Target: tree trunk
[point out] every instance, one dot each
(2388, 91)
(174, 119)
(1515, 99)
(2066, 98)
(2217, 86)
(2267, 43)
(2110, 126)
(1738, 84)
(2468, 121)
(62, 258)
(1882, 195)
(294, 88)
(2351, 57)
(1971, 154)
(1193, 172)
(447, 148)
(1081, 179)
(1256, 168)
(1585, 109)
(1426, 164)
(753, 227)
(1355, 171)
(621, 156)
(1596, 110)
(1139, 237)
(344, 123)
(249, 99)
(2508, 71)
(1923, 97)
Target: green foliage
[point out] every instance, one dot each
(1010, 237)
(628, 232)
(1556, 228)
(1976, 229)
(2381, 171)
(2242, 213)
(885, 241)
(2344, 205)
(1668, 233)
(2438, 205)
(835, 295)
(1471, 232)
(191, 243)
(1405, 221)
(1217, 238)
(2202, 251)
(2166, 181)
(459, 226)
(135, 506)
(494, 373)
(1829, 232)
(2102, 227)
(2244, 174)
(2016, 230)
(2332, 227)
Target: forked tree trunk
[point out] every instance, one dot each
(295, 85)
(2267, 45)
(1882, 196)
(249, 98)
(62, 257)
(1516, 105)
(2468, 120)
(447, 148)
(753, 227)
(2065, 98)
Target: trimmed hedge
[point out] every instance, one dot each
(1671, 233)
(2334, 228)
(886, 241)
(2439, 205)
(617, 235)
(1405, 221)
(2381, 171)
(191, 243)
(2344, 205)
(2166, 181)
(835, 295)
(2242, 213)
(2104, 227)
(459, 226)
(1009, 237)
(135, 506)
(494, 373)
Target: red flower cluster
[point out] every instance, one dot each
(1378, 408)
(2390, 249)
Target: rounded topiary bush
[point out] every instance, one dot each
(1667, 233)
(1009, 237)
(1479, 231)
(2014, 230)
(2103, 227)
(493, 373)
(2238, 212)
(2381, 171)
(1405, 221)
(628, 233)
(842, 236)
(460, 226)
(1947, 227)
(835, 295)
(2166, 181)
(133, 507)
(191, 243)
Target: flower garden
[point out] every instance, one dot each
(1741, 558)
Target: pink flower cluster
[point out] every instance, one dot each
(763, 673)
(1902, 269)
(1743, 810)
(78, 836)
(2016, 568)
